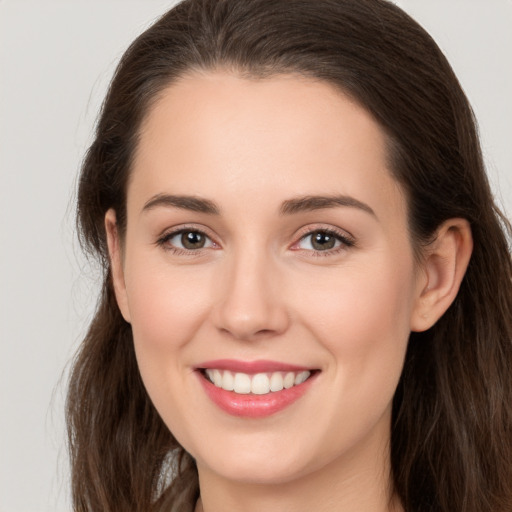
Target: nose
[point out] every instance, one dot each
(252, 304)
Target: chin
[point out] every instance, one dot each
(274, 463)
(271, 472)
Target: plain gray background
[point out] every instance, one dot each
(56, 58)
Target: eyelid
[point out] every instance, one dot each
(346, 238)
(169, 233)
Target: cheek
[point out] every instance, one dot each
(167, 307)
(364, 325)
(364, 322)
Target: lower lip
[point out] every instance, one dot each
(254, 406)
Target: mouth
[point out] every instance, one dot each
(257, 384)
(256, 389)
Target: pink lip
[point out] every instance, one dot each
(249, 405)
(251, 367)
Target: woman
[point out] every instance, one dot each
(306, 300)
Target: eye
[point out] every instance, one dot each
(323, 240)
(187, 239)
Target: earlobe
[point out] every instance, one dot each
(116, 263)
(445, 264)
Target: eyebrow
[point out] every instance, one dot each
(289, 207)
(311, 203)
(191, 203)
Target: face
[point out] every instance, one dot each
(267, 250)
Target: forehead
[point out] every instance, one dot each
(217, 134)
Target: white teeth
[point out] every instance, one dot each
(276, 382)
(228, 381)
(242, 383)
(209, 374)
(217, 378)
(289, 380)
(301, 377)
(258, 384)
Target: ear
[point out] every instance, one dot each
(445, 264)
(116, 263)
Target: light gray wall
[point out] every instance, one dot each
(56, 58)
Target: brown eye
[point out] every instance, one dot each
(186, 240)
(322, 240)
(193, 240)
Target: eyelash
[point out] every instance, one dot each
(346, 241)
(163, 241)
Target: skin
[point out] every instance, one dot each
(260, 290)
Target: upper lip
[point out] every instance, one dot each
(251, 367)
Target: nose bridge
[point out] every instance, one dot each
(251, 304)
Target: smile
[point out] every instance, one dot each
(254, 389)
(259, 384)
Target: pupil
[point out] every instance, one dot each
(192, 240)
(323, 241)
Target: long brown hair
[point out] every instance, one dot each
(452, 413)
